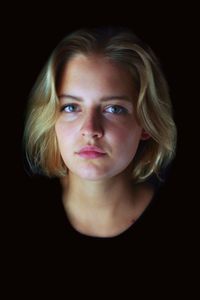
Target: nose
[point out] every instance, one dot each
(92, 125)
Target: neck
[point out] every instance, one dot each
(101, 195)
(103, 205)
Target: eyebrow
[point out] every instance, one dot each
(106, 98)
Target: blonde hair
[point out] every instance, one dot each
(153, 106)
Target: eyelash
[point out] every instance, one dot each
(67, 105)
(122, 109)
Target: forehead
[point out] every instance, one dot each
(95, 71)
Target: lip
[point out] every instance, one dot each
(91, 152)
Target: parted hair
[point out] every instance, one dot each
(153, 105)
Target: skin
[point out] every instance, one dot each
(97, 108)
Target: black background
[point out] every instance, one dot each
(31, 32)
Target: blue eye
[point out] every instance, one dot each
(69, 108)
(116, 109)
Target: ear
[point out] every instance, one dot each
(144, 136)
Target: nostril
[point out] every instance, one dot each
(92, 133)
(92, 130)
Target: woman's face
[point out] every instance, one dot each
(97, 130)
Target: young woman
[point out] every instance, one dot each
(100, 119)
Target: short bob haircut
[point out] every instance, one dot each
(153, 105)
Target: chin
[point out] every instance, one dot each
(97, 175)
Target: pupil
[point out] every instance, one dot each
(71, 107)
(115, 109)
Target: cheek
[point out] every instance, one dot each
(64, 134)
(126, 136)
